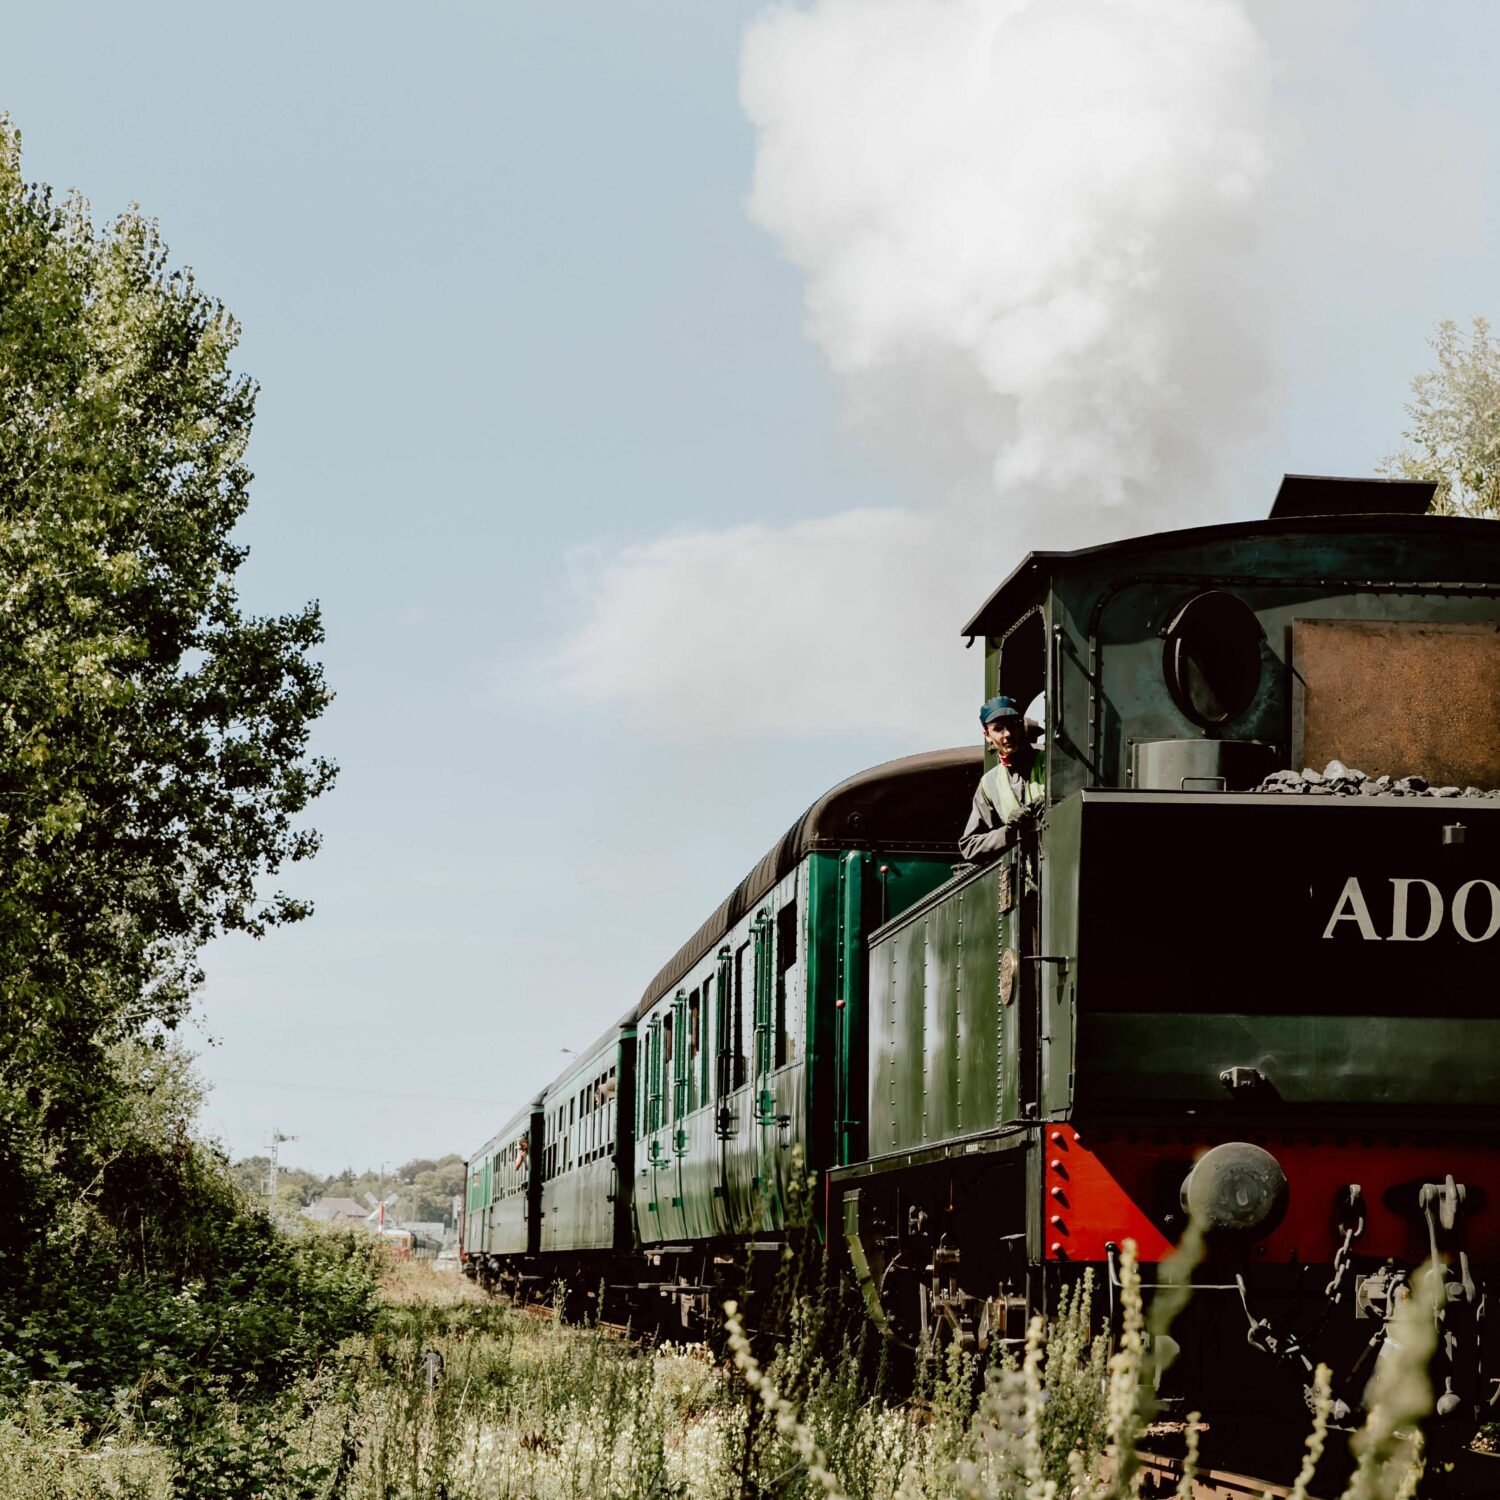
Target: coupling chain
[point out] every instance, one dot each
(1262, 1334)
(1343, 1259)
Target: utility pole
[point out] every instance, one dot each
(276, 1139)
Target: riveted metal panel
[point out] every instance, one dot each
(938, 1064)
(884, 1048)
(982, 1061)
(910, 1036)
(941, 956)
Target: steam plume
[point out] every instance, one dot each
(1026, 230)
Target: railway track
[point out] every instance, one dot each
(1163, 1475)
(545, 1312)
(1473, 1476)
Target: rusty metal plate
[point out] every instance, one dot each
(1009, 963)
(1399, 697)
(1007, 888)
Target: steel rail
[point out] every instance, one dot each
(1164, 1474)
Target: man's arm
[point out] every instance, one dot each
(984, 835)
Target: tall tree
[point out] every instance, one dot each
(153, 735)
(1454, 437)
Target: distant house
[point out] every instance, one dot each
(336, 1211)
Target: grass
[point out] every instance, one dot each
(456, 1396)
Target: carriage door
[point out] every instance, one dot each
(648, 1199)
(726, 1043)
(767, 1126)
(673, 1216)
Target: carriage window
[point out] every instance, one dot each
(742, 973)
(695, 1045)
(668, 1071)
(723, 1031)
(786, 957)
(708, 1041)
(656, 1075)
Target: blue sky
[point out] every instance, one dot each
(511, 319)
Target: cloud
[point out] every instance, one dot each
(1027, 233)
(779, 630)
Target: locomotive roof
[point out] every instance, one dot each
(1020, 589)
(890, 806)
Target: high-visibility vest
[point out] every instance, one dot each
(996, 783)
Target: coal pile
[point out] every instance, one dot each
(1338, 780)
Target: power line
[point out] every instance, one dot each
(333, 1088)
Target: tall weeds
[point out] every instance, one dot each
(456, 1396)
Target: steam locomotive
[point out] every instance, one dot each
(1203, 981)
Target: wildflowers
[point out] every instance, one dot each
(531, 1408)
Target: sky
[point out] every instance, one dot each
(650, 389)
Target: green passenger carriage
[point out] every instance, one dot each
(500, 1204)
(586, 1160)
(751, 1044)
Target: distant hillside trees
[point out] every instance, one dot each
(425, 1188)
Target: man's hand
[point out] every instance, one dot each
(1023, 816)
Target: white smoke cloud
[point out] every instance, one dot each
(1027, 230)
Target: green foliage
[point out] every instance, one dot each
(162, 1284)
(42, 1458)
(153, 737)
(1454, 437)
(155, 765)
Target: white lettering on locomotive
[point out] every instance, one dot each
(1353, 907)
(1461, 911)
(1399, 934)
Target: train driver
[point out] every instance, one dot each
(1009, 788)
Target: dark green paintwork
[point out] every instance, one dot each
(944, 1054)
(1105, 612)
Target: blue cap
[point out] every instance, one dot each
(999, 708)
